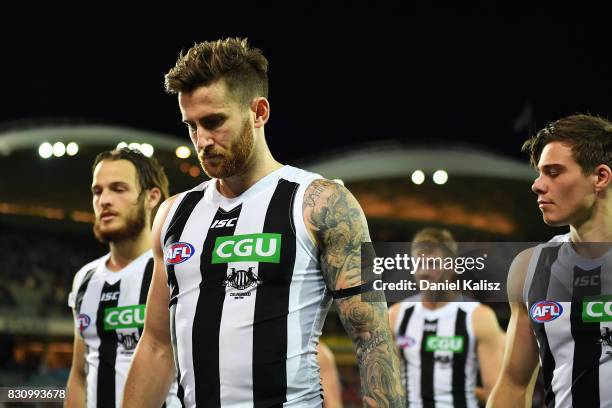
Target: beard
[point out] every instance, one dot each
(233, 161)
(134, 223)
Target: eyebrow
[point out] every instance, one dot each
(212, 116)
(112, 185)
(553, 166)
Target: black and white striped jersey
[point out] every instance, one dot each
(109, 310)
(248, 299)
(438, 354)
(569, 302)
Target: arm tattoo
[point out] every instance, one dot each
(340, 227)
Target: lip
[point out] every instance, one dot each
(107, 216)
(544, 203)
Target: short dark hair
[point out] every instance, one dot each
(150, 173)
(590, 138)
(244, 69)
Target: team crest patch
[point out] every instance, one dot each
(179, 252)
(545, 311)
(83, 322)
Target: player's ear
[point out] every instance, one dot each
(604, 178)
(261, 107)
(153, 197)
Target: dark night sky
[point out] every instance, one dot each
(338, 76)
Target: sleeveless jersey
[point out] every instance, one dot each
(248, 299)
(109, 310)
(569, 301)
(437, 352)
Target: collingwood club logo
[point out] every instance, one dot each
(129, 342)
(606, 340)
(241, 280)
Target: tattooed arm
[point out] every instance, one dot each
(338, 226)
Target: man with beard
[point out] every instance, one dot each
(444, 340)
(253, 258)
(560, 292)
(109, 294)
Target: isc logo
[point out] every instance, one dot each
(545, 311)
(224, 223)
(107, 296)
(179, 252)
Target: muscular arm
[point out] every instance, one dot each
(490, 348)
(152, 370)
(76, 386)
(337, 223)
(514, 388)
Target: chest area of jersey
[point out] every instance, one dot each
(237, 249)
(112, 312)
(436, 340)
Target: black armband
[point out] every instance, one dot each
(355, 290)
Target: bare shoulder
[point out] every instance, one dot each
(331, 206)
(518, 273)
(160, 219)
(484, 321)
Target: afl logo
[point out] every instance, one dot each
(405, 341)
(83, 322)
(545, 311)
(179, 252)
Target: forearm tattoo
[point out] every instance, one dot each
(340, 228)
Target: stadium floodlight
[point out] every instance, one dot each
(183, 152)
(440, 177)
(72, 149)
(418, 177)
(45, 150)
(59, 149)
(147, 149)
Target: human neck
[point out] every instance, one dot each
(259, 166)
(597, 229)
(122, 253)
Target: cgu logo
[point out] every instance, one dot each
(597, 309)
(224, 223)
(107, 296)
(83, 322)
(179, 252)
(263, 247)
(125, 317)
(545, 311)
(454, 344)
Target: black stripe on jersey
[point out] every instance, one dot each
(538, 292)
(83, 289)
(144, 287)
(173, 234)
(459, 359)
(107, 350)
(587, 349)
(402, 332)
(272, 304)
(207, 319)
(427, 365)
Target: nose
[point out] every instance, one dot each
(538, 186)
(105, 199)
(202, 138)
